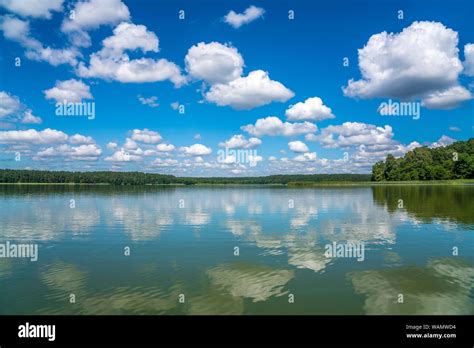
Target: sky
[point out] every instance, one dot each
(231, 88)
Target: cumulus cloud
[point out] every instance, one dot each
(12, 110)
(298, 146)
(69, 91)
(123, 156)
(236, 20)
(37, 9)
(469, 59)
(273, 126)
(446, 99)
(9, 105)
(420, 61)
(168, 162)
(32, 136)
(354, 134)
(165, 147)
(146, 136)
(112, 63)
(112, 145)
(239, 141)
(244, 93)
(214, 62)
(92, 14)
(29, 118)
(19, 31)
(79, 139)
(311, 109)
(128, 36)
(150, 101)
(196, 150)
(89, 152)
(306, 157)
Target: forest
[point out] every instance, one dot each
(455, 161)
(138, 178)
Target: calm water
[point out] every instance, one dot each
(190, 250)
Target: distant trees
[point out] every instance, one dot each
(137, 178)
(114, 178)
(455, 161)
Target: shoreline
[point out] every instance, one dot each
(459, 182)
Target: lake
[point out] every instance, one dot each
(238, 250)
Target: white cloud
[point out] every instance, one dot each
(12, 110)
(79, 153)
(32, 136)
(442, 142)
(248, 92)
(9, 105)
(168, 162)
(420, 61)
(130, 144)
(165, 147)
(128, 36)
(196, 150)
(94, 13)
(446, 99)
(469, 59)
(150, 101)
(298, 146)
(238, 19)
(214, 62)
(19, 31)
(454, 129)
(273, 126)
(123, 156)
(354, 134)
(129, 70)
(112, 63)
(112, 145)
(311, 109)
(70, 91)
(37, 9)
(197, 136)
(29, 118)
(79, 139)
(240, 142)
(306, 157)
(146, 136)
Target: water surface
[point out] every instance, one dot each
(182, 244)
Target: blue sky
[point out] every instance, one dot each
(170, 94)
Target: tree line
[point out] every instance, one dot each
(139, 178)
(455, 161)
